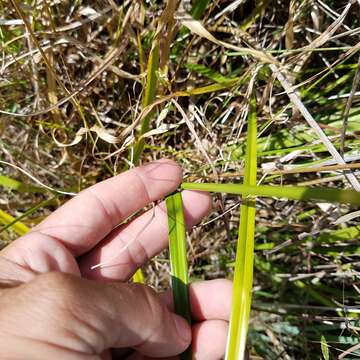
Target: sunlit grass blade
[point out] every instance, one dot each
(16, 224)
(243, 273)
(10, 222)
(149, 97)
(178, 259)
(13, 184)
(324, 348)
(138, 277)
(289, 192)
(205, 89)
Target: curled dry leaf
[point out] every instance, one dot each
(100, 132)
(196, 27)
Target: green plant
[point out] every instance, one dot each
(121, 65)
(178, 259)
(243, 272)
(288, 192)
(14, 224)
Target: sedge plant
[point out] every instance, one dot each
(243, 273)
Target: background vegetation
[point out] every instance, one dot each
(77, 84)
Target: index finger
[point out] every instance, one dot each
(87, 218)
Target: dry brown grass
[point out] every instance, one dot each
(72, 86)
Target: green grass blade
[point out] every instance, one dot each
(206, 89)
(138, 277)
(149, 97)
(211, 74)
(243, 273)
(290, 192)
(10, 183)
(15, 224)
(178, 259)
(324, 348)
(198, 8)
(10, 222)
(16, 185)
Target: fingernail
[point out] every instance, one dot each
(183, 328)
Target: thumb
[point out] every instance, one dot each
(89, 317)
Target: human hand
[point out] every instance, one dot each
(53, 306)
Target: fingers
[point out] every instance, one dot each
(209, 340)
(83, 221)
(19, 348)
(88, 317)
(35, 253)
(210, 303)
(209, 300)
(130, 246)
(86, 219)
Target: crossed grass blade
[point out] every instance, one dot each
(243, 272)
(10, 222)
(178, 260)
(344, 196)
